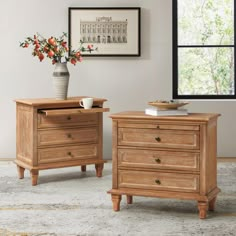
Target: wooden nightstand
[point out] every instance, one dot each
(170, 157)
(58, 133)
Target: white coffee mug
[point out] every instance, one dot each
(86, 103)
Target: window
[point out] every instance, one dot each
(204, 49)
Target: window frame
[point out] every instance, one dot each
(175, 48)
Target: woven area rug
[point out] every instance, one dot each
(68, 202)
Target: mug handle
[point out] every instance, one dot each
(80, 103)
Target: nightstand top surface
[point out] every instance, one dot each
(51, 101)
(142, 115)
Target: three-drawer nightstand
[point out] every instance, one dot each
(170, 157)
(58, 133)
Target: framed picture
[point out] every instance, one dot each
(112, 31)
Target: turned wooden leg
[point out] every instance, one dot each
(99, 168)
(116, 202)
(83, 168)
(20, 171)
(129, 199)
(34, 177)
(202, 207)
(212, 204)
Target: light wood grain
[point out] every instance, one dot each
(158, 125)
(158, 138)
(72, 112)
(58, 133)
(24, 133)
(67, 120)
(67, 136)
(158, 159)
(158, 180)
(69, 102)
(61, 164)
(114, 154)
(138, 115)
(69, 153)
(164, 194)
(172, 157)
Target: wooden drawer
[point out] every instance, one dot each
(66, 136)
(67, 153)
(158, 181)
(67, 120)
(158, 126)
(158, 159)
(184, 139)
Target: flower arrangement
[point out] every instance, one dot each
(55, 49)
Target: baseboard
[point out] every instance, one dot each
(226, 159)
(7, 159)
(219, 159)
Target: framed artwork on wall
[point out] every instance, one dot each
(113, 31)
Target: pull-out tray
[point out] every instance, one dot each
(72, 111)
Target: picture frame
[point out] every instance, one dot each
(111, 31)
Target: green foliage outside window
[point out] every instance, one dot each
(205, 47)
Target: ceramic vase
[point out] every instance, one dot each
(61, 77)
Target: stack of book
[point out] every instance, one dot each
(153, 111)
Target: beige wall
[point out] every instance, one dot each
(128, 83)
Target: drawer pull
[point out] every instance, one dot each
(158, 127)
(69, 135)
(158, 181)
(158, 160)
(68, 118)
(158, 139)
(69, 153)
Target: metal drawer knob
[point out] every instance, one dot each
(158, 181)
(158, 160)
(158, 139)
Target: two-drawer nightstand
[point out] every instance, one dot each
(58, 133)
(170, 157)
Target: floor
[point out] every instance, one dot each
(67, 202)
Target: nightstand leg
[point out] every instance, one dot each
(116, 202)
(20, 171)
(202, 207)
(83, 168)
(212, 204)
(129, 199)
(34, 177)
(99, 168)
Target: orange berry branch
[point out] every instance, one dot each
(55, 49)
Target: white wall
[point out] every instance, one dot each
(127, 83)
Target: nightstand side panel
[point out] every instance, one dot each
(25, 137)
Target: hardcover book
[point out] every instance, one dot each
(168, 112)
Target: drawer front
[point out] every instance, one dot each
(66, 136)
(158, 125)
(68, 153)
(158, 181)
(67, 120)
(158, 159)
(158, 138)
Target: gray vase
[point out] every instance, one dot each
(61, 77)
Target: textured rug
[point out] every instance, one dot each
(67, 202)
